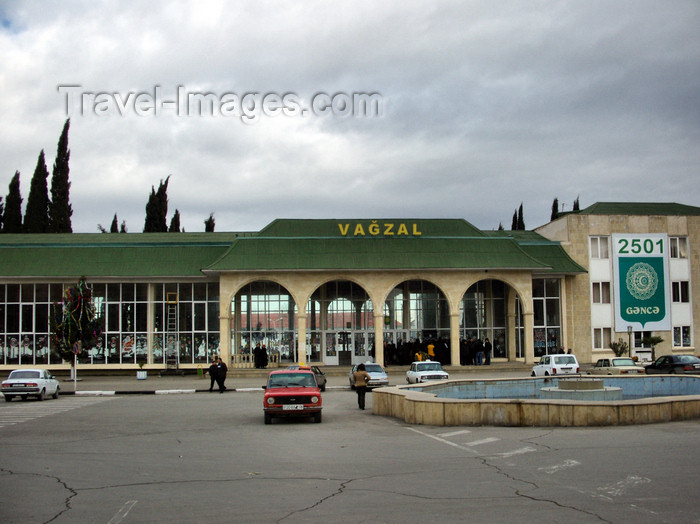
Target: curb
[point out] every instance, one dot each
(100, 393)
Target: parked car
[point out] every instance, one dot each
(556, 365)
(377, 375)
(615, 366)
(687, 364)
(320, 375)
(292, 393)
(425, 370)
(25, 383)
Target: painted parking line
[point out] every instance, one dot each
(17, 412)
(453, 433)
(569, 463)
(519, 451)
(482, 441)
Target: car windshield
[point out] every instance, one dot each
(567, 359)
(24, 374)
(430, 366)
(623, 362)
(373, 368)
(292, 380)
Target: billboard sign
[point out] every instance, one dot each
(642, 294)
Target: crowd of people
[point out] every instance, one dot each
(472, 351)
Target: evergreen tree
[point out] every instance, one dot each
(122, 228)
(74, 325)
(576, 208)
(514, 223)
(60, 210)
(209, 224)
(36, 216)
(555, 209)
(114, 227)
(2, 212)
(12, 216)
(521, 221)
(500, 226)
(175, 223)
(157, 209)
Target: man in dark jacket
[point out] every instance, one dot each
(213, 372)
(221, 370)
(487, 351)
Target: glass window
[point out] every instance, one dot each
(602, 338)
(599, 247)
(681, 337)
(601, 292)
(679, 247)
(680, 291)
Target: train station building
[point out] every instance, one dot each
(341, 291)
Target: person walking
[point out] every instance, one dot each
(221, 370)
(479, 347)
(213, 374)
(361, 380)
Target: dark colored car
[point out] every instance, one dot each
(292, 393)
(688, 364)
(320, 375)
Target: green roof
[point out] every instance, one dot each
(385, 227)
(374, 253)
(547, 251)
(134, 255)
(641, 208)
(312, 245)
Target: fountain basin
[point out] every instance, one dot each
(518, 402)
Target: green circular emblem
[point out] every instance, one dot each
(642, 281)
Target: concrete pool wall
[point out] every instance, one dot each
(514, 402)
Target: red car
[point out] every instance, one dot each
(292, 393)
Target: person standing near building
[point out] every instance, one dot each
(221, 370)
(361, 380)
(487, 351)
(479, 348)
(213, 374)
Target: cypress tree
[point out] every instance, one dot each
(555, 209)
(36, 216)
(122, 228)
(115, 225)
(209, 224)
(157, 209)
(2, 212)
(60, 210)
(12, 216)
(576, 208)
(521, 221)
(514, 223)
(175, 223)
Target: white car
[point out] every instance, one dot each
(556, 365)
(423, 371)
(25, 383)
(616, 366)
(377, 375)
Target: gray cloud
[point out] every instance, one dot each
(486, 105)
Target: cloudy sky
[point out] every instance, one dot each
(481, 105)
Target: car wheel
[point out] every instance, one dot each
(533, 374)
(546, 373)
(268, 418)
(317, 418)
(55, 395)
(40, 396)
(672, 371)
(8, 398)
